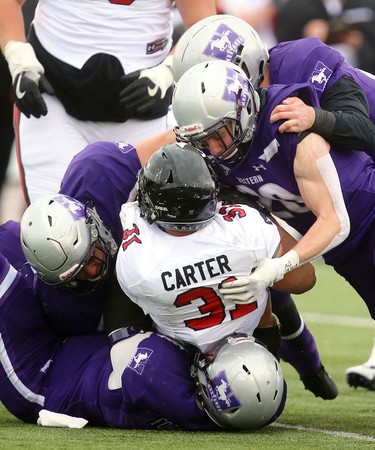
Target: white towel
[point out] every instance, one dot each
(52, 419)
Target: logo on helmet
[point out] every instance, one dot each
(221, 394)
(224, 44)
(236, 88)
(76, 209)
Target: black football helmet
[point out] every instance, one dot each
(178, 188)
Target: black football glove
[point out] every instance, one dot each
(28, 79)
(147, 93)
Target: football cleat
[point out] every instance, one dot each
(362, 375)
(321, 384)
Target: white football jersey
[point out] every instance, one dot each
(137, 32)
(175, 279)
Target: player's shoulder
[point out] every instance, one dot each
(242, 215)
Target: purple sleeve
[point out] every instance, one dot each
(104, 173)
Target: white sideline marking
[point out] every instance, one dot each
(343, 434)
(360, 322)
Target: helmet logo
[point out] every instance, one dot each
(224, 44)
(76, 209)
(221, 394)
(236, 89)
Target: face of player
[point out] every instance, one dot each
(219, 141)
(94, 266)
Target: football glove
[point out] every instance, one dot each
(269, 271)
(147, 93)
(28, 78)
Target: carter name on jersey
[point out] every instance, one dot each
(199, 271)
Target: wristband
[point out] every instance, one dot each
(21, 57)
(325, 122)
(124, 333)
(289, 261)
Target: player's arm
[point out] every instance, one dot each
(147, 147)
(192, 11)
(119, 311)
(27, 73)
(12, 25)
(343, 119)
(297, 281)
(320, 189)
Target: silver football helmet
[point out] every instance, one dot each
(240, 383)
(212, 96)
(58, 237)
(224, 37)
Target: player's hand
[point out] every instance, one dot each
(28, 87)
(250, 288)
(124, 210)
(147, 94)
(297, 116)
(28, 78)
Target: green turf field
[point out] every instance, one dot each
(331, 310)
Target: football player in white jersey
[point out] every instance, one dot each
(96, 69)
(179, 244)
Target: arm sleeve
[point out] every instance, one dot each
(119, 311)
(344, 119)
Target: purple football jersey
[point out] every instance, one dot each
(63, 310)
(309, 60)
(267, 172)
(40, 369)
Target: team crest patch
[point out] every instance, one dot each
(124, 147)
(236, 88)
(224, 44)
(221, 394)
(140, 359)
(156, 46)
(320, 76)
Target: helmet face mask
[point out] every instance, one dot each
(177, 189)
(59, 237)
(224, 130)
(215, 99)
(239, 383)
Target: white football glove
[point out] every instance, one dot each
(269, 271)
(147, 93)
(28, 78)
(124, 210)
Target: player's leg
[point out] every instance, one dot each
(26, 348)
(153, 373)
(298, 348)
(45, 146)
